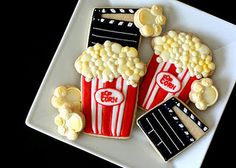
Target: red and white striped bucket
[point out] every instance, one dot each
(108, 107)
(162, 81)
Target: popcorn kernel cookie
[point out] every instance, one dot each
(109, 85)
(149, 21)
(171, 127)
(69, 123)
(70, 126)
(203, 93)
(67, 96)
(179, 59)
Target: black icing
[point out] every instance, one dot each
(122, 32)
(165, 130)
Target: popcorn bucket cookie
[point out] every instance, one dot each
(109, 107)
(179, 59)
(109, 86)
(161, 82)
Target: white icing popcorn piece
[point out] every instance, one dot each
(65, 112)
(59, 121)
(71, 126)
(71, 135)
(67, 97)
(149, 21)
(76, 122)
(109, 61)
(60, 91)
(62, 130)
(203, 93)
(185, 51)
(69, 122)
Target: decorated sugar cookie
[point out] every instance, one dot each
(114, 24)
(150, 21)
(69, 96)
(69, 124)
(180, 58)
(171, 127)
(70, 121)
(203, 93)
(109, 85)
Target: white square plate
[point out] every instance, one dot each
(137, 152)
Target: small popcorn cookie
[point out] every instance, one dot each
(179, 59)
(69, 123)
(109, 85)
(70, 120)
(114, 24)
(150, 21)
(171, 127)
(203, 93)
(69, 96)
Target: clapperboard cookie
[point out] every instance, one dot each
(109, 85)
(179, 59)
(171, 127)
(114, 24)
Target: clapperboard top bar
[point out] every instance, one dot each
(171, 127)
(114, 29)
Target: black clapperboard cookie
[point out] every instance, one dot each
(115, 25)
(171, 127)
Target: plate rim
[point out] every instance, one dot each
(53, 62)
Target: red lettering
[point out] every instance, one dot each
(115, 99)
(166, 80)
(106, 96)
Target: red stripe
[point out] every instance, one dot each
(107, 112)
(96, 121)
(161, 93)
(181, 80)
(172, 70)
(129, 111)
(184, 95)
(147, 79)
(86, 104)
(116, 122)
(118, 112)
(153, 86)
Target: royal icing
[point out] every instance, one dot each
(168, 82)
(203, 93)
(115, 28)
(186, 51)
(70, 121)
(183, 59)
(161, 82)
(110, 75)
(109, 61)
(71, 125)
(108, 107)
(109, 97)
(67, 96)
(149, 21)
(171, 127)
